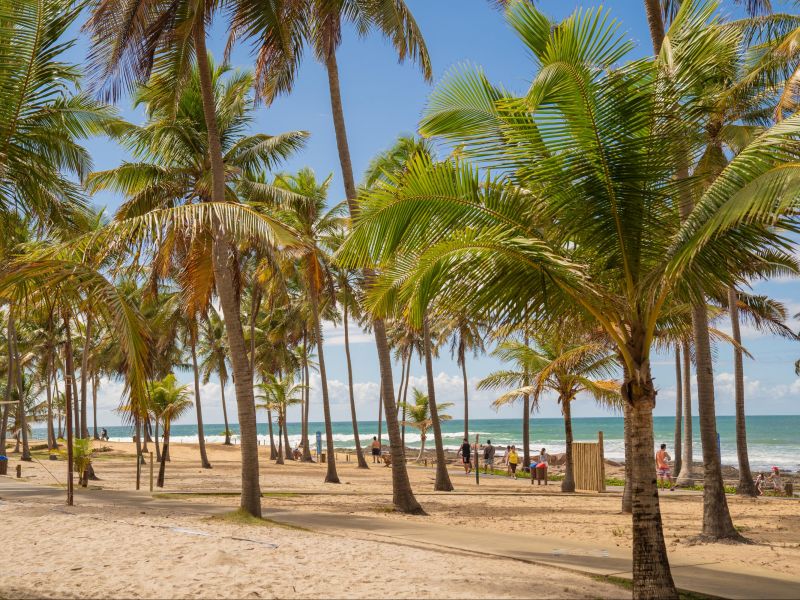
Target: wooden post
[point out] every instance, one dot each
(151, 472)
(138, 469)
(19, 471)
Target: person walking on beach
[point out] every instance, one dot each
(104, 434)
(376, 450)
(465, 451)
(505, 460)
(513, 461)
(662, 466)
(488, 456)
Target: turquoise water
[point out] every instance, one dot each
(772, 440)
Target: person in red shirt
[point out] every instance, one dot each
(662, 466)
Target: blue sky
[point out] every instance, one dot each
(384, 99)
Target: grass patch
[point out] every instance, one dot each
(616, 481)
(628, 585)
(279, 494)
(242, 517)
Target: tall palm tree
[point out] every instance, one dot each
(564, 364)
(419, 412)
(282, 32)
(179, 148)
(466, 337)
(165, 39)
(572, 151)
(169, 401)
(213, 352)
(304, 211)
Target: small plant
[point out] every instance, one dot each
(619, 532)
(82, 459)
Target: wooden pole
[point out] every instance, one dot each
(151, 472)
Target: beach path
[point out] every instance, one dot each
(707, 577)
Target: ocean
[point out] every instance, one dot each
(771, 440)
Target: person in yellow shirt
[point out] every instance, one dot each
(513, 461)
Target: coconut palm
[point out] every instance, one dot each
(304, 211)
(213, 352)
(282, 32)
(178, 149)
(169, 401)
(579, 153)
(165, 40)
(278, 394)
(419, 413)
(563, 364)
(466, 337)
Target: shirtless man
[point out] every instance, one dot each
(662, 466)
(376, 450)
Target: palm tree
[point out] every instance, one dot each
(164, 41)
(347, 285)
(281, 33)
(214, 359)
(562, 232)
(466, 337)
(169, 401)
(567, 365)
(278, 395)
(765, 314)
(304, 211)
(419, 413)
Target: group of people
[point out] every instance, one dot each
(511, 458)
(662, 468)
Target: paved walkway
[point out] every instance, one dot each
(709, 578)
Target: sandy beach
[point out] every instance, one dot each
(183, 545)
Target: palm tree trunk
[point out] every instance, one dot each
(405, 397)
(526, 416)
(568, 484)
(51, 440)
(225, 413)
(164, 456)
(287, 448)
(655, 23)
(627, 492)
(380, 414)
(717, 522)
(273, 451)
(443, 483)
(22, 418)
(362, 462)
(746, 486)
(279, 459)
(402, 380)
(651, 572)
(466, 395)
(201, 436)
(330, 476)
(678, 409)
(9, 384)
(422, 439)
(687, 476)
(85, 377)
(68, 408)
(403, 497)
(306, 402)
(158, 448)
(95, 384)
(224, 270)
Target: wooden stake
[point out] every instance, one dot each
(151, 472)
(477, 463)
